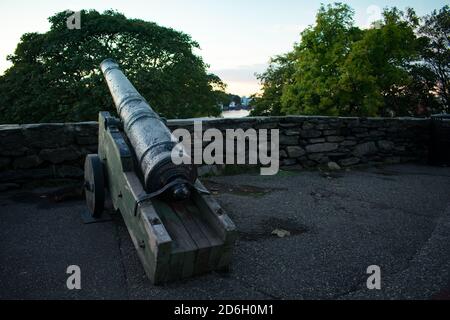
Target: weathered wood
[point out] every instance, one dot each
(174, 240)
(198, 233)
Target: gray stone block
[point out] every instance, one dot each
(317, 140)
(283, 154)
(59, 155)
(385, 145)
(311, 133)
(335, 139)
(291, 132)
(330, 132)
(70, 172)
(48, 135)
(349, 162)
(364, 149)
(27, 162)
(288, 162)
(295, 152)
(308, 125)
(348, 143)
(322, 147)
(319, 158)
(333, 166)
(288, 140)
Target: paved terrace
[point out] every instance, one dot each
(397, 217)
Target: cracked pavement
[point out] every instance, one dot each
(396, 217)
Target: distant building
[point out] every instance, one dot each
(246, 102)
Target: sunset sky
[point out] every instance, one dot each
(237, 37)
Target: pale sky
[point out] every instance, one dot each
(237, 37)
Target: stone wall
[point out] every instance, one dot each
(312, 141)
(37, 152)
(57, 151)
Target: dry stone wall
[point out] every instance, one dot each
(56, 151)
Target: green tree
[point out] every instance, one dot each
(236, 99)
(55, 76)
(315, 88)
(273, 80)
(390, 69)
(380, 64)
(436, 55)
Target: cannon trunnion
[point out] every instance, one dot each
(175, 237)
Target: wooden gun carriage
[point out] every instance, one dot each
(177, 227)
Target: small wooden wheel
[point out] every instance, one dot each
(94, 185)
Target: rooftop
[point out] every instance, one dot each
(340, 223)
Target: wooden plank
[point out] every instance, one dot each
(198, 236)
(191, 225)
(210, 210)
(158, 241)
(214, 238)
(220, 251)
(215, 216)
(183, 247)
(175, 271)
(181, 239)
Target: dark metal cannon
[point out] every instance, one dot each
(152, 141)
(177, 227)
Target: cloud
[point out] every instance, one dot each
(242, 79)
(240, 73)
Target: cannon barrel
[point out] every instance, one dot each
(149, 136)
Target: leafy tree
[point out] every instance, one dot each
(236, 99)
(315, 88)
(55, 76)
(223, 98)
(436, 55)
(273, 80)
(226, 98)
(390, 69)
(380, 63)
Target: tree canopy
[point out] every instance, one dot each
(55, 76)
(397, 67)
(436, 69)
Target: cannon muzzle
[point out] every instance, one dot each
(149, 136)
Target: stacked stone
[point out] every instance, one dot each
(314, 141)
(44, 151)
(57, 151)
(350, 141)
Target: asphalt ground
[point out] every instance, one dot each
(396, 217)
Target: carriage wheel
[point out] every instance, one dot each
(94, 185)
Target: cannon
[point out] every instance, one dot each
(176, 226)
